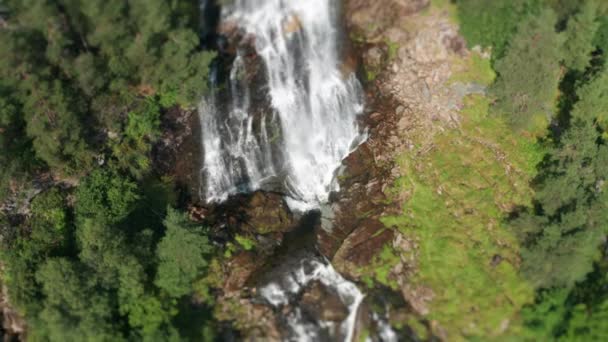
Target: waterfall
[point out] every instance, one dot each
(279, 294)
(310, 125)
(288, 131)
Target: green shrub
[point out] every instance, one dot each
(526, 89)
(492, 23)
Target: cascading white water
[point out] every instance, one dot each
(278, 294)
(313, 105)
(300, 141)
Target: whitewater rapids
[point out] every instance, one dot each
(311, 126)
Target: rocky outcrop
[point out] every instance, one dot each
(380, 14)
(259, 213)
(318, 301)
(408, 57)
(411, 58)
(362, 246)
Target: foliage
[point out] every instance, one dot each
(76, 67)
(49, 222)
(457, 195)
(492, 23)
(77, 277)
(106, 195)
(68, 290)
(529, 73)
(79, 79)
(580, 35)
(182, 255)
(593, 100)
(562, 234)
(563, 231)
(46, 235)
(132, 153)
(245, 242)
(16, 152)
(576, 315)
(601, 36)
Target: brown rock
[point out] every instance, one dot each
(374, 16)
(374, 58)
(13, 324)
(319, 302)
(241, 268)
(360, 248)
(254, 321)
(418, 297)
(268, 213)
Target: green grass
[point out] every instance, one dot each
(476, 69)
(392, 49)
(245, 242)
(459, 193)
(443, 5)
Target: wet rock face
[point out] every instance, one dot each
(268, 213)
(320, 302)
(362, 246)
(365, 13)
(257, 213)
(241, 268)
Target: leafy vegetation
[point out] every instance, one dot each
(97, 256)
(529, 73)
(507, 211)
(459, 191)
(86, 266)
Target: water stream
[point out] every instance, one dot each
(297, 141)
(310, 126)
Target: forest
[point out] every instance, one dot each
(97, 244)
(100, 253)
(552, 82)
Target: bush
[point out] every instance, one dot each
(528, 75)
(580, 36)
(492, 23)
(106, 195)
(182, 255)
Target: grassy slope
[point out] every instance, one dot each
(459, 191)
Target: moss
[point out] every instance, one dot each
(458, 194)
(364, 336)
(443, 5)
(371, 75)
(392, 49)
(475, 69)
(214, 279)
(245, 242)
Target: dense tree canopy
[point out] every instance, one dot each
(491, 24)
(554, 67)
(83, 88)
(563, 235)
(75, 69)
(529, 73)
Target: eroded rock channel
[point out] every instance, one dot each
(298, 274)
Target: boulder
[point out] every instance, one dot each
(267, 213)
(241, 268)
(361, 246)
(363, 15)
(320, 302)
